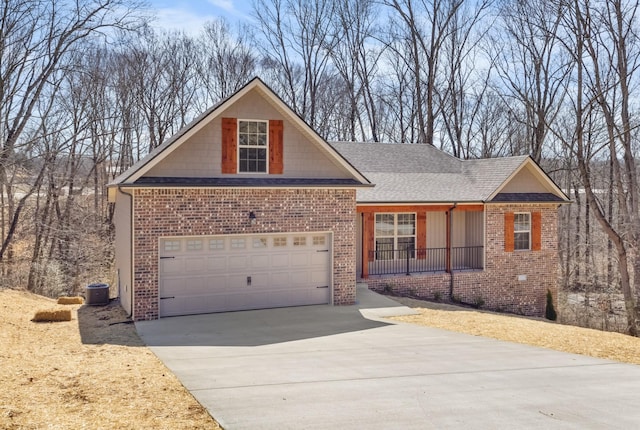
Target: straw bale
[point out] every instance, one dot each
(53, 315)
(70, 300)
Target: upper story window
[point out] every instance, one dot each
(253, 146)
(522, 231)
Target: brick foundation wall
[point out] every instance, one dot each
(497, 287)
(190, 212)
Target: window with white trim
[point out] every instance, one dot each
(172, 245)
(194, 245)
(215, 244)
(279, 242)
(318, 240)
(299, 241)
(260, 242)
(238, 243)
(253, 146)
(395, 235)
(522, 231)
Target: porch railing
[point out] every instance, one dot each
(412, 260)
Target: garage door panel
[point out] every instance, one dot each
(171, 265)
(300, 259)
(280, 278)
(217, 282)
(190, 305)
(321, 295)
(209, 274)
(280, 260)
(260, 281)
(195, 264)
(237, 281)
(217, 263)
(260, 261)
(319, 277)
(176, 287)
(319, 258)
(299, 277)
(237, 262)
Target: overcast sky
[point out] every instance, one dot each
(189, 15)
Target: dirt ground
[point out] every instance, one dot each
(530, 331)
(92, 372)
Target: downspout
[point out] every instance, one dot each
(450, 233)
(130, 248)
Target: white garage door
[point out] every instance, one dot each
(236, 272)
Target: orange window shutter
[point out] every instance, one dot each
(276, 165)
(368, 235)
(536, 231)
(508, 232)
(421, 233)
(229, 145)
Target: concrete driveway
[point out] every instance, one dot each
(323, 367)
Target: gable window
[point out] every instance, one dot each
(253, 146)
(522, 231)
(395, 235)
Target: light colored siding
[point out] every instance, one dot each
(468, 229)
(122, 221)
(525, 182)
(474, 228)
(201, 156)
(459, 236)
(436, 229)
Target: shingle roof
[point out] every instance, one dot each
(398, 157)
(246, 182)
(526, 197)
(422, 173)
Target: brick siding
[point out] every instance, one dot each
(190, 212)
(496, 287)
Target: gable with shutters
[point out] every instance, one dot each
(247, 146)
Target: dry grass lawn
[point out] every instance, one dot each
(530, 331)
(85, 373)
(94, 372)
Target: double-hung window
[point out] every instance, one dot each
(395, 236)
(253, 146)
(522, 231)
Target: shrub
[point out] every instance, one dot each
(478, 302)
(550, 311)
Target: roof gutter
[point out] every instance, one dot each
(226, 187)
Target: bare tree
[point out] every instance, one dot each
(36, 38)
(162, 67)
(297, 42)
(423, 27)
(532, 68)
(356, 56)
(224, 63)
(606, 49)
(464, 84)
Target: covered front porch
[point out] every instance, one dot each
(406, 239)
